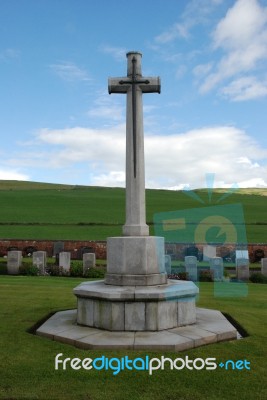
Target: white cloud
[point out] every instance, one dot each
(253, 183)
(196, 12)
(241, 36)
(110, 179)
(105, 107)
(245, 88)
(188, 157)
(102, 148)
(171, 161)
(70, 72)
(247, 162)
(10, 175)
(243, 22)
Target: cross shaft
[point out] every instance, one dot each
(134, 85)
(134, 82)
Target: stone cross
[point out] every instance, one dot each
(134, 85)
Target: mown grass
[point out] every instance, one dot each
(42, 211)
(27, 361)
(59, 232)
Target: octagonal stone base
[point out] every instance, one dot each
(210, 327)
(136, 308)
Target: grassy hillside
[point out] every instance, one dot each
(24, 185)
(34, 210)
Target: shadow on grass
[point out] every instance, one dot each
(243, 332)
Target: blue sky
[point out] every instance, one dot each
(59, 124)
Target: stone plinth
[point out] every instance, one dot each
(136, 308)
(135, 260)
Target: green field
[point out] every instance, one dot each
(27, 362)
(31, 210)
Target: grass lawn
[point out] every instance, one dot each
(27, 361)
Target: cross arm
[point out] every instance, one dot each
(147, 85)
(114, 85)
(153, 86)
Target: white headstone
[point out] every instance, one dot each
(264, 266)
(88, 261)
(242, 269)
(168, 264)
(241, 254)
(39, 260)
(209, 252)
(216, 266)
(14, 261)
(64, 260)
(191, 267)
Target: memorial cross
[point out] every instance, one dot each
(134, 85)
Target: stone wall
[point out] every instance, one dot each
(73, 246)
(179, 251)
(176, 250)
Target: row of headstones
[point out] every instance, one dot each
(216, 267)
(14, 261)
